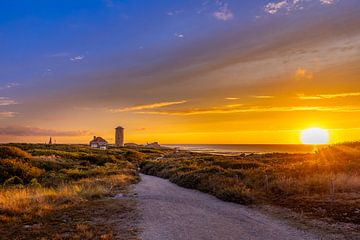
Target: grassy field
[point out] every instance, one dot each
(64, 191)
(325, 184)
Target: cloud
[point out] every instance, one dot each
(7, 114)
(263, 97)
(59, 55)
(328, 96)
(302, 73)
(327, 2)
(34, 131)
(6, 101)
(224, 13)
(77, 58)
(148, 106)
(179, 35)
(239, 108)
(274, 7)
(173, 13)
(292, 5)
(9, 85)
(255, 96)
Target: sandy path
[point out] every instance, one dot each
(172, 212)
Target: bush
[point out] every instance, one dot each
(14, 181)
(14, 167)
(13, 152)
(99, 159)
(34, 183)
(134, 156)
(58, 153)
(236, 164)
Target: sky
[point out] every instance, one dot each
(179, 71)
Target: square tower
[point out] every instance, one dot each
(119, 136)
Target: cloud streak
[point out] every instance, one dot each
(287, 6)
(77, 58)
(9, 85)
(239, 108)
(328, 96)
(147, 106)
(34, 131)
(224, 13)
(7, 114)
(263, 97)
(6, 101)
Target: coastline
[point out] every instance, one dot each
(244, 149)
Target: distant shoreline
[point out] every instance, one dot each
(237, 149)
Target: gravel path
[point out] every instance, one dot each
(171, 212)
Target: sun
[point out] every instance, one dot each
(314, 136)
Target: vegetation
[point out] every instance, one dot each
(40, 181)
(325, 184)
(59, 189)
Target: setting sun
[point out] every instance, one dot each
(314, 136)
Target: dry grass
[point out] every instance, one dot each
(25, 203)
(329, 179)
(52, 195)
(97, 219)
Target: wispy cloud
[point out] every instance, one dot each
(224, 13)
(254, 96)
(59, 55)
(7, 101)
(328, 96)
(7, 114)
(179, 35)
(239, 108)
(174, 12)
(292, 5)
(9, 85)
(302, 73)
(34, 131)
(77, 58)
(327, 2)
(147, 106)
(274, 7)
(263, 97)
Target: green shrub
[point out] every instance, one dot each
(34, 183)
(14, 181)
(13, 152)
(58, 153)
(19, 168)
(134, 156)
(236, 164)
(99, 159)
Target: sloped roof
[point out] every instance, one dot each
(98, 140)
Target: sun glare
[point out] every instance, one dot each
(314, 136)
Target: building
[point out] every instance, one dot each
(119, 137)
(99, 142)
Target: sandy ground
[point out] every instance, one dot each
(172, 212)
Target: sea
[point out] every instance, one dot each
(236, 149)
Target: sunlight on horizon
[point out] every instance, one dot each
(314, 136)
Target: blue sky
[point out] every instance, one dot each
(67, 60)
